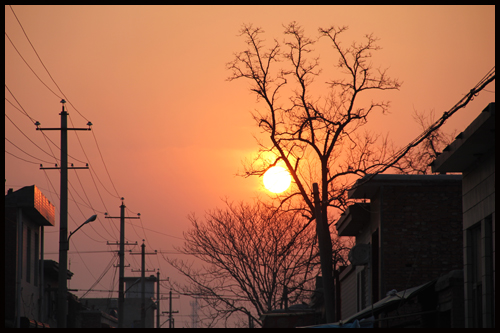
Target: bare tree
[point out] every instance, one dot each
(418, 159)
(250, 253)
(316, 136)
(315, 130)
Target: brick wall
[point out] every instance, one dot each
(421, 233)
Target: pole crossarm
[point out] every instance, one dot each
(67, 129)
(56, 167)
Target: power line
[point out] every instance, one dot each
(33, 47)
(39, 58)
(24, 134)
(105, 167)
(12, 143)
(489, 77)
(20, 158)
(110, 264)
(45, 137)
(23, 111)
(86, 252)
(30, 66)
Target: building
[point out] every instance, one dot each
(408, 233)
(473, 154)
(132, 305)
(298, 315)
(27, 213)
(31, 282)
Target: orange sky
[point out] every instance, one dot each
(172, 131)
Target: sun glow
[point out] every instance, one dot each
(277, 179)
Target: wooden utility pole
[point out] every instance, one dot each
(170, 311)
(158, 312)
(325, 254)
(62, 297)
(121, 254)
(158, 298)
(143, 282)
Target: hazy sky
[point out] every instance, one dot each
(172, 131)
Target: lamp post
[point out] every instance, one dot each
(63, 282)
(90, 219)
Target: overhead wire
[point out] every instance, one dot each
(20, 158)
(70, 192)
(40, 59)
(93, 172)
(79, 141)
(98, 280)
(36, 158)
(105, 167)
(24, 134)
(50, 162)
(487, 78)
(47, 139)
(24, 112)
(15, 48)
(72, 219)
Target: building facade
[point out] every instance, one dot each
(408, 232)
(31, 282)
(132, 305)
(473, 154)
(27, 212)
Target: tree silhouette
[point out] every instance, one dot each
(314, 130)
(250, 253)
(315, 135)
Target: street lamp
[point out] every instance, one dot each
(90, 219)
(63, 275)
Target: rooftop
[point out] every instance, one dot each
(476, 140)
(368, 186)
(34, 204)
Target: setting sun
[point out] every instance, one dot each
(277, 179)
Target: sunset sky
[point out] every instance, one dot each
(172, 131)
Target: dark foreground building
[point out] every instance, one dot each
(408, 233)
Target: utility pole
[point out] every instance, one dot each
(158, 298)
(143, 282)
(158, 313)
(62, 297)
(121, 254)
(325, 254)
(170, 312)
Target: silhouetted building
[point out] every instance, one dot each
(298, 315)
(132, 305)
(408, 234)
(27, 212)
(473, 154)
(31, 282)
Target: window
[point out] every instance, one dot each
(489, 283)
(476, 275)
(28, 254)
(480, 282)
(361, 286)
(375, 266)
(37, 261)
